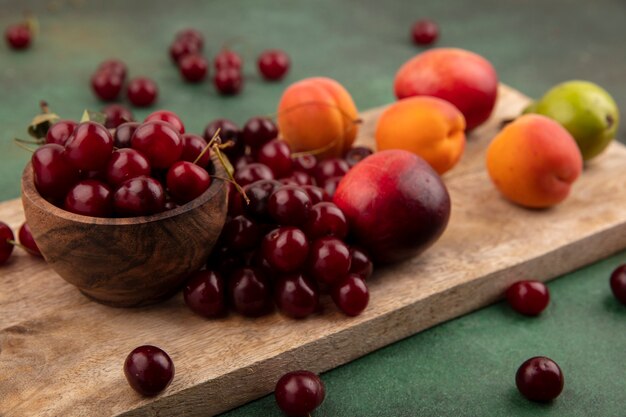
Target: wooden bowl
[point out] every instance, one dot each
(127, 262)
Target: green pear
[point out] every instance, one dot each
(586, 110)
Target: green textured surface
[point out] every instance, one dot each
(465, 367)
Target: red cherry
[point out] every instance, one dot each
(240, 234)
(273, 64)
(299, 393)
(330, 168)
(329, 260)
(276, 154)
(302, 178)
(139, 196)
(243, 161)
(297, 296)
(289, 205)
(250, 292)
(305, 163)
(360, 264)
(116, 114)
(60, 132)
(90, 198)
(351, 295)
(126, 164)
(528, 297)
(191, 35)
(148, 370)
(330, 186)
(90, 147)
(53, 173)
(253, 172)
(181, 48)
(193, 146)
(316, 194)
(106, 85)
(186, 181)
(6, 245)
(326, 219)
(123, 134)
(618, 283)
(229, 131)
(167, 117)
(159, 142)
(235, 201)
(539, 379)
(228, 81)
(142, 91)
(227, 59)
(205, 294)
(113, 65)
(18, 36)
(424, 32)
(285, 249)
(357, 154)
(258, 131)
(193, 68)
(259, 193)
(26, 239)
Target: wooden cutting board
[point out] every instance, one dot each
(62, 354)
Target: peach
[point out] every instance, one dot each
(426, 126)
(461, 77)
(533, 161)
(318, 115)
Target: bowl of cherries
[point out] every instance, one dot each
(125, 214)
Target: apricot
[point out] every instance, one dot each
(534, 161)
(318, 115)
(426, 126)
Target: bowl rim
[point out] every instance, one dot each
(30, 192)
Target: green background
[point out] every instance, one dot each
(464, 367)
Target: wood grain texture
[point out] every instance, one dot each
(127, 262)
(62, 354)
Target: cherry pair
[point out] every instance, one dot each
(108, 81)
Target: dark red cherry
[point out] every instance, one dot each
(242, 161)
(250, 292)
(60, 132)
(302, 178)
(357, 154)
(305, 163)
(229, 131)
(258, 131)
(228, 81)
(186, 181)
(90, 198)
(351, 295)
(285, 249)
(191, 35)
(259, 193)
(227, 59)
(114, 65)
(193, 146)
(539, 379)
(53, 173)
(90, 147)
(240, 234)
(148, 370)
(424, 32)
(299, 393)
(618, 283)
(205, 294)
(18, 36)
(123, 134)
(330, 168)
(253, 172)
(330, 186)
(528, 297)
(142, 91)
(329, 260)
(26, 239)
(159, 142)
(289, 205)
(126, 164)
(116, 114)
(276, 154)
(139, 196)
(273, 64)
(106, 85)
(181, 48)
(167, 117)
(6, 242)
(296, 296)
(361, 263)
(193, 68)
(316, 194)
(326, 219)
(235, 201)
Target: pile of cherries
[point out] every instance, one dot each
(138, 170)
(186, 52)
(109, 79)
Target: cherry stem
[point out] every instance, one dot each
(45, 109)
(206, 148)
(21, 145)
(19, 245)
(237, 186)
(30, 142)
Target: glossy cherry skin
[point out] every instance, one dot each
(148, 370)
(424, 32)
(159, 142)
(116, 114)
(60, 132)
(360, 264)
(253, 172)
(228, 81)
(229, 131)
(326, 219)
(618, 283)
(126, 164)
(539, 379)
(115, 66)
(296, 296)
(53, 173)
(329, 260)
(305, 163)
(240, 234)
(123, 134)
(258, 131)
(528, 297)
(142, 91)
(276, 154)
(351, 295)
(242, 161)
(181, 48)
(330, 186)
(227, 59)
(139, 196)
(106, 85)
(167, 117)
(286, 249)
(18, 36)
(90, 198)
(205, 294)
(193, 68)
(191, 35)
(250, 292)
(235, 201)
(187, 181)
(299, 393)
(289, 205)
(357, 154)
(90, 147)
(193, 146)
(330, 168)
(316, 194)
(273, 64)
(26, 239)
(259, 193)
(6, 248)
